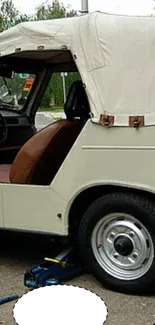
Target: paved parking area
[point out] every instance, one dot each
(45, 118)
(15, 259)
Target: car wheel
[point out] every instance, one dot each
(116, 239)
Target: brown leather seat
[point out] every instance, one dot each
(40, 158)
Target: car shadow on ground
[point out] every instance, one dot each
(28, 247)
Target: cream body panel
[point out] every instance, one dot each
(1, 205)
(118, 156)
(31, 208)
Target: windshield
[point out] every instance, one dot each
(14, 91)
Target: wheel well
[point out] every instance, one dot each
(88, 196)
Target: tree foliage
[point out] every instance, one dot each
(54, 91)
(9, 15)
(53, 11)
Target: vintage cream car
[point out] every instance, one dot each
(89, 176)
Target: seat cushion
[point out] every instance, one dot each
(5, 173)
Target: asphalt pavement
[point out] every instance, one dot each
(18, 253)
(45, 118)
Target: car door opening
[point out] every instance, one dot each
(40, 158)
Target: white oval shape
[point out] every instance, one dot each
(61, 304)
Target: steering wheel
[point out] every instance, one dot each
(3, 129)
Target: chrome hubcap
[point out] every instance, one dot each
(122, 246)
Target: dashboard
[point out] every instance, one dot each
(20, 129)
(15, 119)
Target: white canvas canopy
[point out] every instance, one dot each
(115, 56)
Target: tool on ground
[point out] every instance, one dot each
(8, 299)
(65, 266)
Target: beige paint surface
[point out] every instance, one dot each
(1, 205)
(32, 208)
(116, 156)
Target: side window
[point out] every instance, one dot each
(56, 92)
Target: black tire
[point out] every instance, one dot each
(140, 208)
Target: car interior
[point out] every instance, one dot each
(28, 156)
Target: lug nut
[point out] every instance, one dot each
(116, 255)
(135, 255)
(131, 234)
(112, 235)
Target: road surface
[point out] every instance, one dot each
(15, 259)
(45, 118)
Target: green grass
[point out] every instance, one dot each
(51, 109)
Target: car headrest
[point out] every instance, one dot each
(77, 105)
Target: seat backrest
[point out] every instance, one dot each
(77, 105)
(40, 158)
